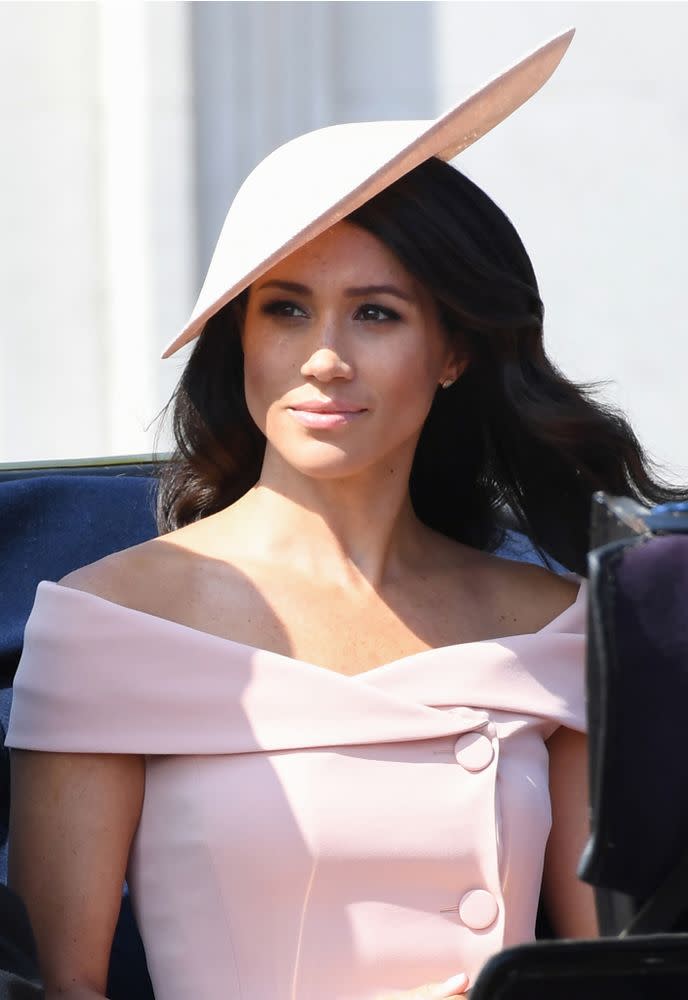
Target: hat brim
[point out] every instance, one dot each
(342, 167)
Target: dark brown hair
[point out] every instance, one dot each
(512, 433)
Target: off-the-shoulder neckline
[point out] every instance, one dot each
(247, 647)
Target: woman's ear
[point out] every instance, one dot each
(460, 366)
(455, 367)
(457, 357)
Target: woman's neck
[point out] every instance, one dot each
(357, 530)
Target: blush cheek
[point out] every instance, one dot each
(257, 396)
(268, 378)
(412, 411)
(408, 396)
(261, 382)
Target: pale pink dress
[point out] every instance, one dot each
(307, 835)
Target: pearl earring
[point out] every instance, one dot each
(447, 382)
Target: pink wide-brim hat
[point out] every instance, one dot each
(312, 182)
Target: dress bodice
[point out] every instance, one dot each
(306, 833)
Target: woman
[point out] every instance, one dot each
(308, 721)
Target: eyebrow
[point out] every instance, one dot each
(295, 286)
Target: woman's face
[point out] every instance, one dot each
(343, 355)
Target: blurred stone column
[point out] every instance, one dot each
(147, 185)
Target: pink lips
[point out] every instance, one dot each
(325, 414)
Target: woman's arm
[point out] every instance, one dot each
(569, 902)
(72, 820)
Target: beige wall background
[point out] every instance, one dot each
(127, 127)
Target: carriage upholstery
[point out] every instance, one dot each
(637, 681)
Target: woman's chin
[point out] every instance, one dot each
(330, 462)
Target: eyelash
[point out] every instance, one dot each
(277, 308)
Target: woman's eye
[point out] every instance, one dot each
(282, 307)
(377, 314)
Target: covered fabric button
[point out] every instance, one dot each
(478, 909)
(474, 751)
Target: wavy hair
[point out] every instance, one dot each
(513, 433)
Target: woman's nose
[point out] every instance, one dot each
(325, 361)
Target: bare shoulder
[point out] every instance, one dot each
(536, 580)
(521, 597)
(537, 591)
(132, 576)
